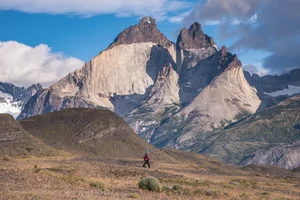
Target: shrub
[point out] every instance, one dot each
(166, 188)
(177, 188)
(150, 183)
(265, 193)
(134, 196)
(212, 193)
(62, 169)
(73, 180)
(98, 185)
(245, 196)
(6, 158)
(36, 168)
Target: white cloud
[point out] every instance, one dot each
(212, 22)
(225, 11)
(251, 20)
(24, 65)
(257, 68)
(156, 8)
(178, 18)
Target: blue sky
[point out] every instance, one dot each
(66, 34)
(77, 36)
(81, 37)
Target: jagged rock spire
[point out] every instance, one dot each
(147, 21)
(145, 31)
(194, 38)
(165, 89)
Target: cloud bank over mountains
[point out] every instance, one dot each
(24, 65)
(253, 25)
(159, 9)
(265, 25)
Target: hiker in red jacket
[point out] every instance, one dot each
(146, 159)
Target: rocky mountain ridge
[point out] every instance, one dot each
(267, 137)
(14, 98)
(273, 83)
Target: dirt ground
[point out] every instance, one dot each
(76, 178)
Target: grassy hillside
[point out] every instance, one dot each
(15, 141)
(92, 178)
(90, 131)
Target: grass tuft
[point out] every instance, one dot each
(36, 168)
(73, 180)
(6, 158)
(166, 188)
(150, 183)
(134, 196)
(98, 185)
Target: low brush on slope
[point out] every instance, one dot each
(15, 141)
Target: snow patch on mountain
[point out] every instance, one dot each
(7, 105)
(5, 95)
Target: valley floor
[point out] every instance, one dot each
(68, 177)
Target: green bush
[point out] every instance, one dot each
(166, 188)
(150, 183)
(73, 180)
(178, 188)
(98, 185)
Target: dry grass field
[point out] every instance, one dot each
(85, 177)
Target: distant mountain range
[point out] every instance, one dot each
(14, 98)
(184, 95)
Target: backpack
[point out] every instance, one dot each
(145, 156)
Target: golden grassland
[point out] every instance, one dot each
(78, 177)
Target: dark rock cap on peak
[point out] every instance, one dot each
(145, 31)
(236, 63)
(147, 20)
(223, 50)
(194, 38)
(195, 28)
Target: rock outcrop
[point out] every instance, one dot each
(287, 157)
(192, 46)
(225, 100)
(162, 101)
(194, 38)
(145, 31)
(195, 79)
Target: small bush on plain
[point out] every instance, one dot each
(150, 183)
(166, 188)
(98, 185)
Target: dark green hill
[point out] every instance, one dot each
(90, 131)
